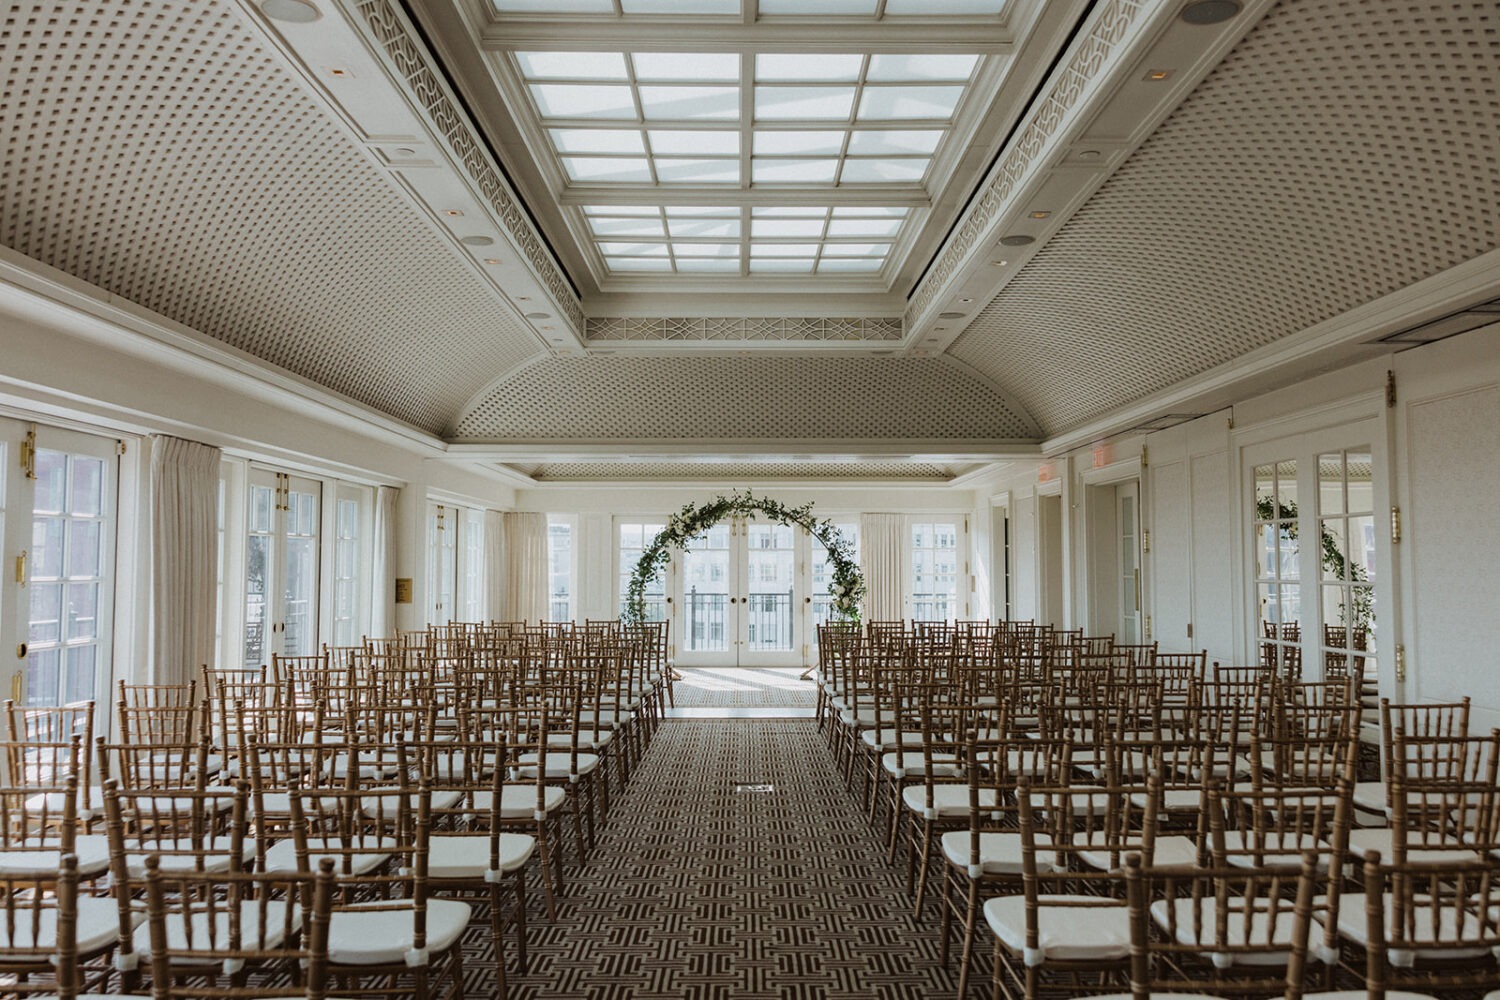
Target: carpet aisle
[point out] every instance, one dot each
(696, 890)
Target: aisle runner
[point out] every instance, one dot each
(697, 890)
(743, 687)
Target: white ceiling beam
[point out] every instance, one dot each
(805, 34)
(722, 195)
(708, 452)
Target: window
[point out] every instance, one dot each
(1277, 572)
(471, 593)
(281, 566)
(1346, 523)
(442, 562)
(347, 572)
(633, 537)
(559, 569)
(934, 571)
(822, 574)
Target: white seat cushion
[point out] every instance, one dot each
(948, 800)
(889, 739)
(999, 853)
(1366, 839)
(1364, 995)
(1353, 926)
(913, 764)
(98, 926)
(1261, 931)
(92, 851)
(215, 859)
(250, 930)
(379, 801)
(381, 933)
(519, 801)
(1097, 931)
(588, 739)
(469, 857)
(558, 765)
(1176, 852)
(90, 803)
(282, 856)
(1277, 848)
(1178, 800)
(1371, 796)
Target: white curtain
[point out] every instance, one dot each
(184, 557)
(494, 565)
(882, 557)
(383, 564)
(525, 566)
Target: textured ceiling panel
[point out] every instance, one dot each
(744, 398)
(156, 150)
(743, 471)
(1345, 149)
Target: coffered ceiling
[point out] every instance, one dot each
(587, 239)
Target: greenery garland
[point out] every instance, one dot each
(1333, 558)
(846, 588)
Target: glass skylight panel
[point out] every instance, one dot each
(869, 212)
(888, 171)
(705, 250)
(694, 143)
(607, 169)
(638, 265)
(850, 265)
(783, 250)
(708, 265)
(784, 228)
(781, 265)
(774, 143)
(864, 227)
(633, 249)
(572, 65)
(680, 6)
(703, 228)
(886, 142)
(553, 6)
(696, 211)
(790, 212)
(900, 103)
(690, 103)
(903, 67)
(818, 7)
(656, 66)
(675, 171)
(566, 100)
(650, 210)
(803, 68)
(803, 103)
(793, 171)
(627, 227)
(856, 249)
(931, 8)
(617, 142)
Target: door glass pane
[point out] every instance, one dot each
(346, 573)
(634, 537)
(934, 559)
(1279, 598)
(300, 635)
(258, 568)
(67, 570)
(822, 575)
(705, 591)
(769, 611)
(559, 570)
(1347, 563)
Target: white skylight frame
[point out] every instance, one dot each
(851, 157)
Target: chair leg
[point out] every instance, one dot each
(497, 932)
(922, 867)
(971, 915)
(520, 921)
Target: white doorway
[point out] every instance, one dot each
(741, 596)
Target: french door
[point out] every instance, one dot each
(741, 596)
(1128, 560)
(58, 495)
(281, 567)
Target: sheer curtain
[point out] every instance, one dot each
(184, 557)
(525, 566)
(494, 565)
(383, 564)
(882, 556)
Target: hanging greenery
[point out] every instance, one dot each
(1333, 559)
(846, 588)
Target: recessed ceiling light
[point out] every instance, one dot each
(951, 315)
(339, 71)
(523, 298)
(966, 301)
(1089, 154)
(1157, 74)
(1210, 11)
(405, 151)
(1016, 240)
(455, 213)
(294, 11)
(999, 263)
(492, 260)
(1041, 215)
(538, 315)
(478, 241)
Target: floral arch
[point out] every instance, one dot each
(846, 588)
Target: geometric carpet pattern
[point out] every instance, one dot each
(698, 891)
(743, 687)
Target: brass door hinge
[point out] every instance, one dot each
(1145, 541)
(1400, 664)
(1395, 525)
(21, 568)
(28, 452)
(1390, 389)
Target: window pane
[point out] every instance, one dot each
(561, 100)
(51, 476)
(86, 497)
(572, 65)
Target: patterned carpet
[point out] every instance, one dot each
(743, 687)
(696, 890)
